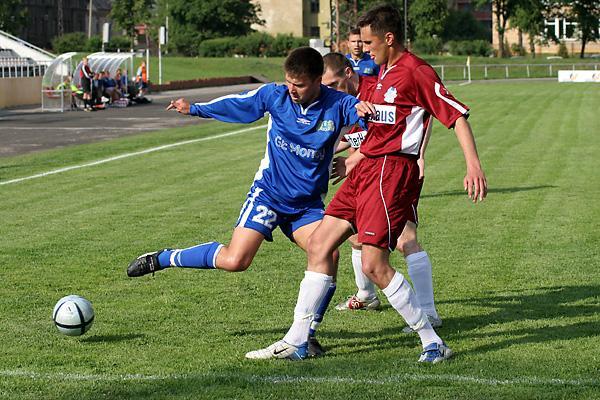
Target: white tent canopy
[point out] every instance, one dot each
(61, 67)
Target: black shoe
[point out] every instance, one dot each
(144, 264)
(314, 347)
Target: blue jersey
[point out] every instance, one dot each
(365, 66)
(300, 140)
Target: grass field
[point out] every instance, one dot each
(517, 277)
(183, 68)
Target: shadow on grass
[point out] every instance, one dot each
(543, 309)
(491, 190)
(112, 338)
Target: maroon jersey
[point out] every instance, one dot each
(405, 96)
(366, 85)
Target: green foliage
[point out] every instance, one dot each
(428, 18)
(116, 43)
(94, 44)
(75, 41)
(218, 47)
(562, 50)
(517, 49)
(12, 16)
(470, 47)
(428, 45)
(257, 44)
(197, 20)
(587, 15)
(462, 25)
(129, 13)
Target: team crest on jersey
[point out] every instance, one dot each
(369, 71)
(326, 126)
(390, 95)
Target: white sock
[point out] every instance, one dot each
(402, 298)
(312, 291)
(366, 288)
(419, 270)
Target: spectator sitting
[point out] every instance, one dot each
(76, 93)
(110, 87)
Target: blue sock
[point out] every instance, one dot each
(200, 256)
(322, 308)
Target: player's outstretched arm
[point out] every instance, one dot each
(475, 182)
(180, 105)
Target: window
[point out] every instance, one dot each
(561, 28)
(314, 6)
(315, 31)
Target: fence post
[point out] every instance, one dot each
(485, 74)
(550, 67)
(528, 71)
(506, 69)
(573, 67)
(442, 72)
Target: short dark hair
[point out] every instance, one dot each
(336, 62)
(382, 19)
(304, 61)
(354, 31)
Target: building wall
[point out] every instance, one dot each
(42, 19)
(298, 17)
(567, 37)
(281, 16)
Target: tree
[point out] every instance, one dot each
(428, 17)
(587, 15)
(529, 18)
(129, 13)
(503, 10)
(12, 16)
(198, 20)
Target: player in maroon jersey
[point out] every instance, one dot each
(340, 75)
(382, 181)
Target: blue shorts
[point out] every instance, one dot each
(263, 214)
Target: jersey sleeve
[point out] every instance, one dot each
(349, 114)
(435, 98)
(241, 108)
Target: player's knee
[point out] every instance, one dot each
(408, 246)
(238, 263)
(316, 247)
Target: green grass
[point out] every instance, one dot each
(183, 68)
(516, 277)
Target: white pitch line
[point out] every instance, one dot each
(286, 379)
(136, 153)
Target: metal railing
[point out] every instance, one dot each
(22, 67)
(507, 71)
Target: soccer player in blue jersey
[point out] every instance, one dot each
(305, 120)
(361, 61)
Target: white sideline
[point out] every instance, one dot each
(286, 379)
(136, 153)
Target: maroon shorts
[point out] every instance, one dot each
(378, 197)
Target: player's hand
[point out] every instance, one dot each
(180, 105)
(338, 173)
(475, 184)
(421, 164)
(364, 109)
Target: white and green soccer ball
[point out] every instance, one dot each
(73, 315)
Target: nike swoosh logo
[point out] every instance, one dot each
(276, 352)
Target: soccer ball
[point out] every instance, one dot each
(73, 315)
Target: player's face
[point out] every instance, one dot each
(355, 45)
(338, 82)
(375, 45)
(303, 89)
